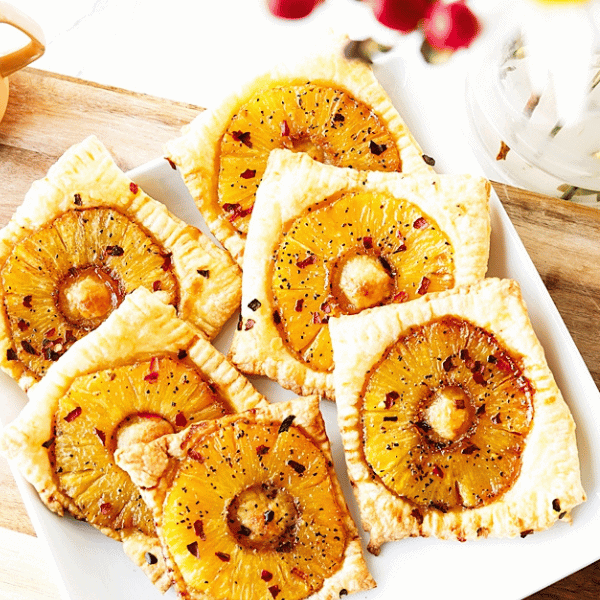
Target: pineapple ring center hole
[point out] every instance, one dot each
(141, 428)
(87, 296)
(263, 517)
(449, 414)
(364, 282)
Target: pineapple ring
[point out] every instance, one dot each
(451, 420)
(86, 236)
(376, 256)
(248, 507)
(143, 372)
(326, 241)
(324, 104)
(309, 118)
(472, 414)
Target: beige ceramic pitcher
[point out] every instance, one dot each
(17, 59)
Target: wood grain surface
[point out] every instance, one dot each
(48, 113)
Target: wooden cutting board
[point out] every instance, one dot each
(47, 113)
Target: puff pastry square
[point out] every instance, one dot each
(248, 506)
(322, 103)
(452, 423)
(83, 238)
(142, 373)
(325, 241)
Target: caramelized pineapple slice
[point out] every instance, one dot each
(352, 252)
(109, 409)
(326, 123)
(445, 415)
(65, 279)
(252, 507)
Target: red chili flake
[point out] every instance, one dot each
(437, 471)
(77, 200)
(23, 325)
(134, 188)
(50, 333)
(193, 549)
(299, 305)
(106, 508)
(180, 420)
(469, 449)
(425, 282)
(254, 304)
(428, 160)
(48, 443)
(285, 129)
(402, 246)
(266, 575)
(318, 318)
(416, 514)
(420, 223)
(556, 505)
(503, 364)
(390, 399)
(326, 308)
(228, 207)
(114, 250)
(339, 118)
(69, 337)
(385, 264)
(367, 242)
(171, 163)
(377, 149)
(101, 435)
(496, 419)
(400, 297)
(167, 261)
(223, 556)
(11, 354)
(27, 301)
(297, 467)
(276, 317)
(479, 378)
(29, 348)
(73, 414)
(248, 174)
(526, 532)
(262, 450)
(242, 136)
(181, 354)
(311, 259)
(250, 323)
(156, 286)
(286, 423)
(195, 455)
(199, 529)
(151, 377)
(480, 410)
(274, 589)
(447, 364)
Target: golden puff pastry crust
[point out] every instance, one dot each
(325, 241)
(306, 105)
(85, 236)
(479, 442)
(241, 503)
(142, 372)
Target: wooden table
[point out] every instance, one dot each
(48, 113)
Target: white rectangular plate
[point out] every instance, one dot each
(93, 567)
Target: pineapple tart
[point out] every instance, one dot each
(141, 374)
(326, 241)
(86, 236)
(325, 104)
(248, 506)
(451, 421)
